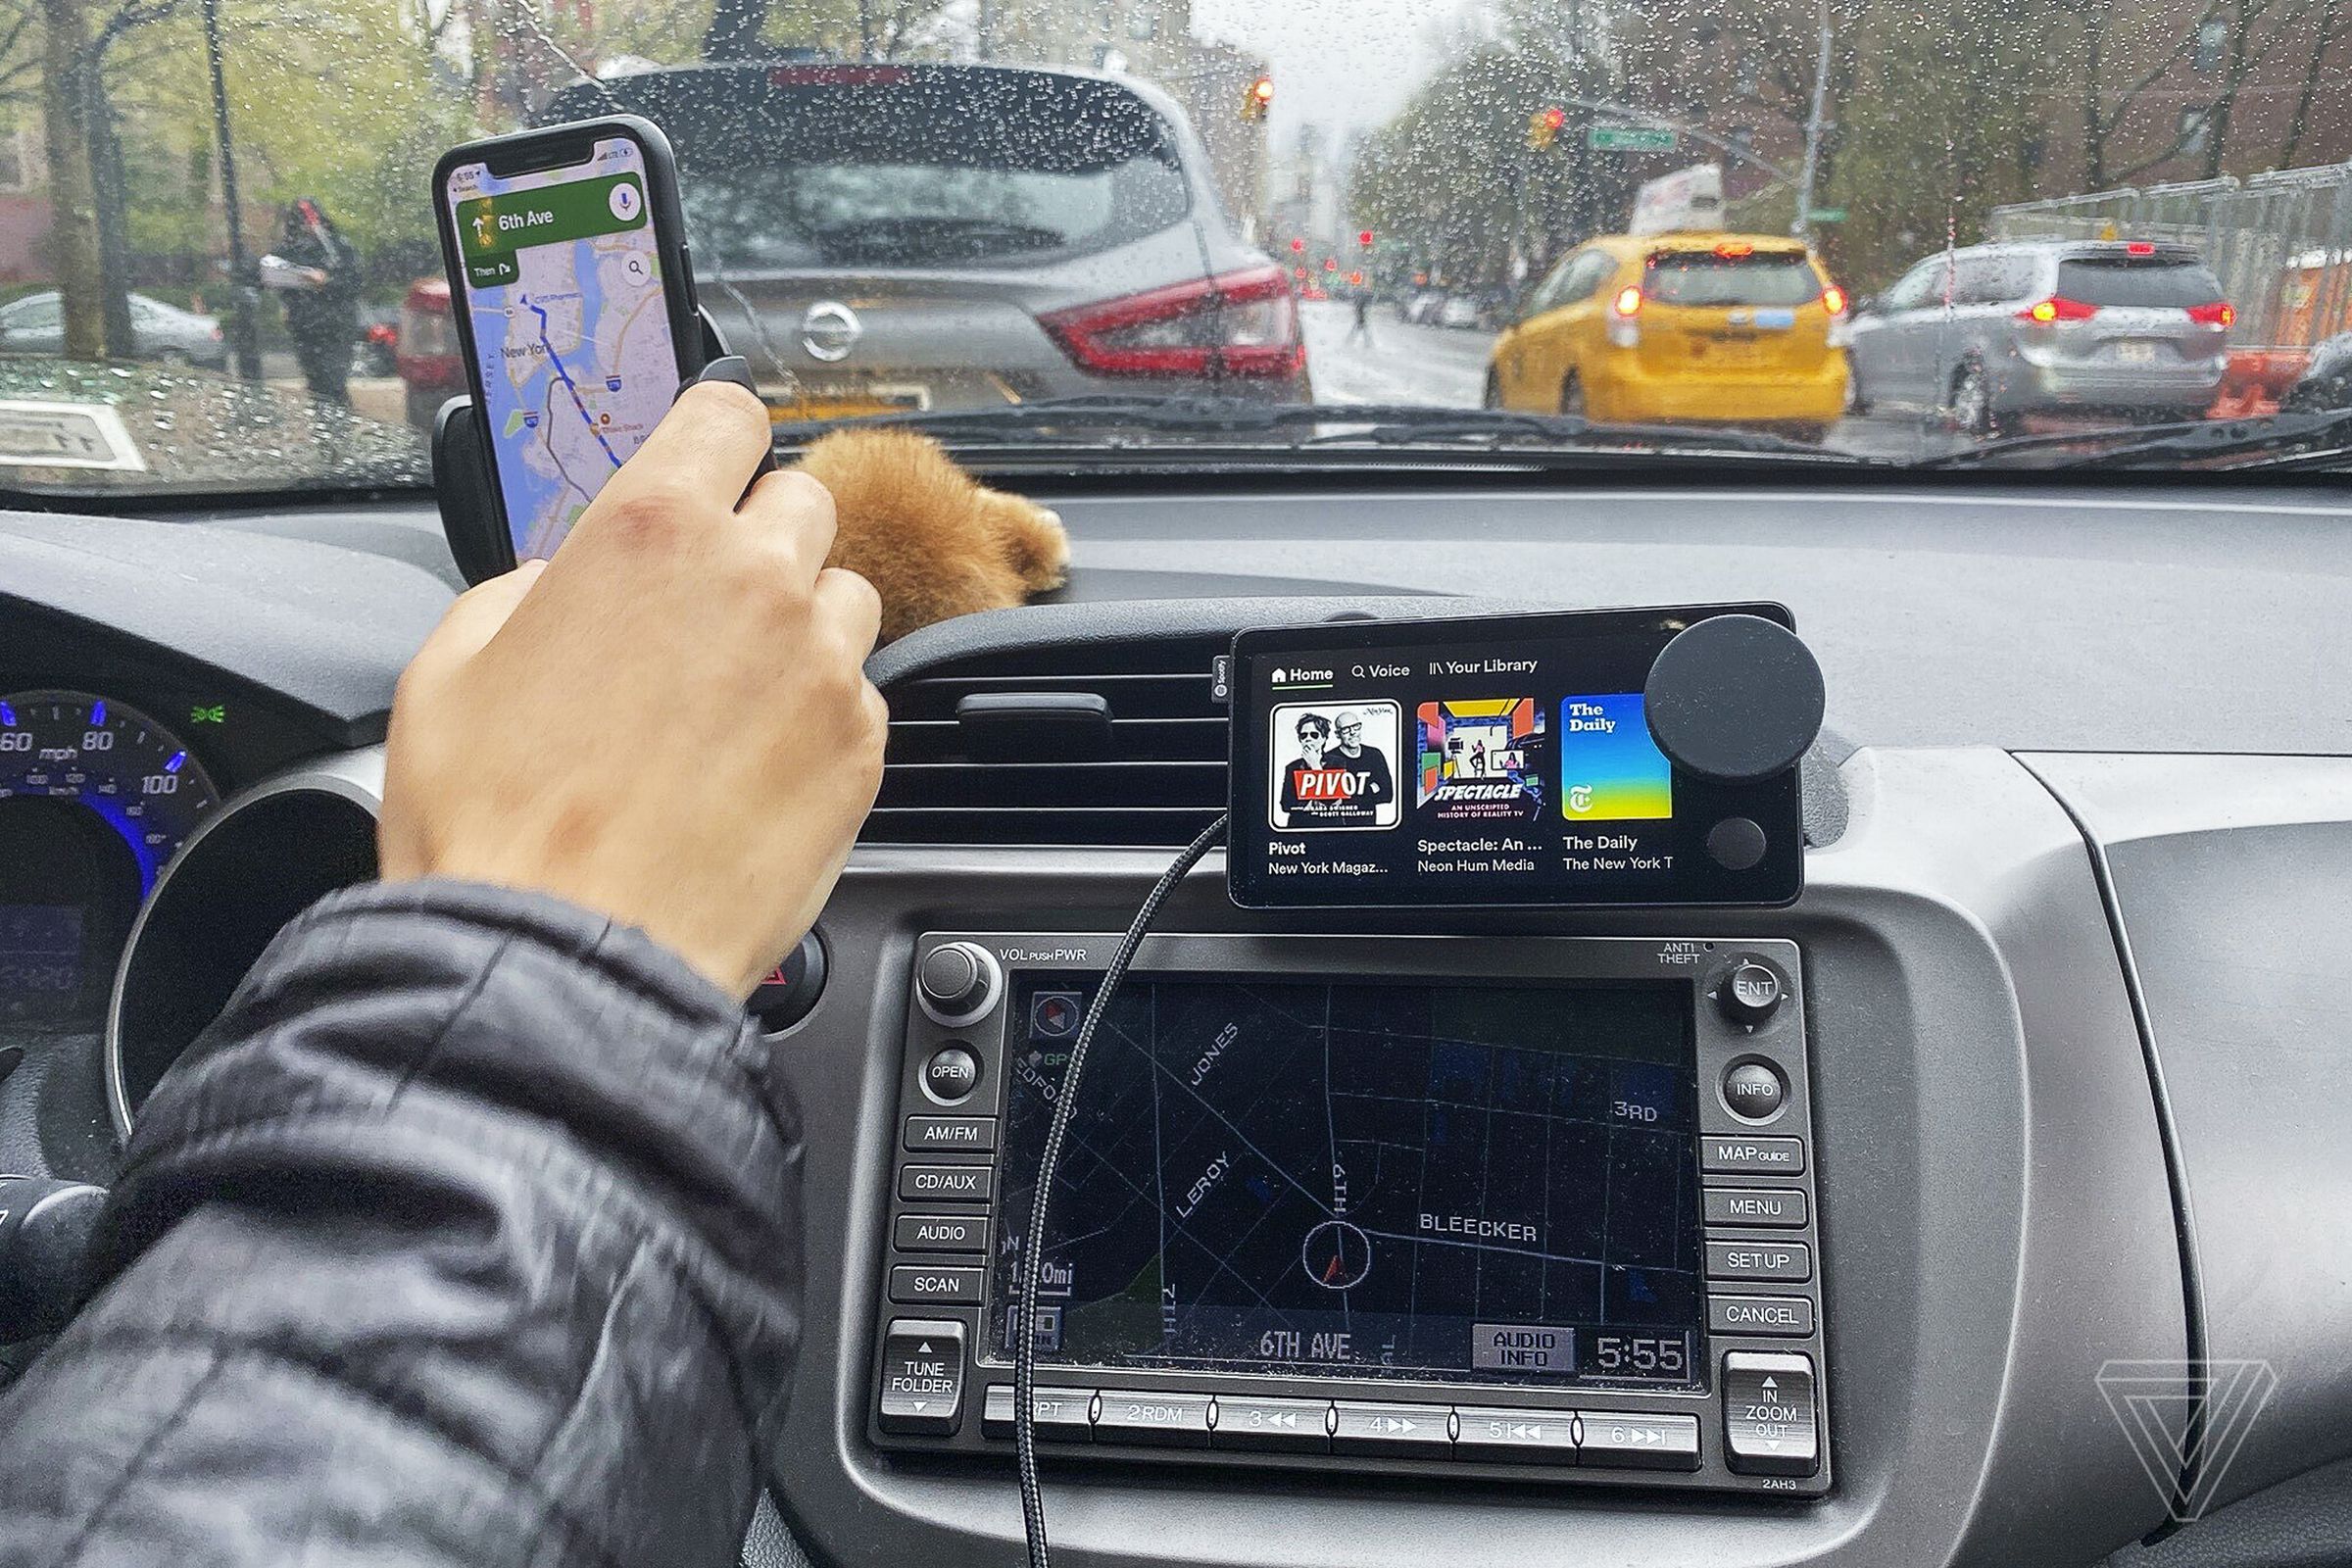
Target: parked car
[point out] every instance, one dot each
(1458, 310)
(1682, 328)
(36, 325)
(877, 238)
(1420, 306)
(1993, 332)
(426, 356)
(2327, 380)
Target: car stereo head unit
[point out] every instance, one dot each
(1644, 757)
(1531, 1207)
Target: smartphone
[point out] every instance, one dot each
(574, 294)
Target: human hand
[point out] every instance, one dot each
(668, 723)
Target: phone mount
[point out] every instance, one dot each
(465, 485)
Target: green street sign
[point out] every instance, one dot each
(490, 227)
(1825, 215)
(1631, 138)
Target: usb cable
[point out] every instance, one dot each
(1024, 1333)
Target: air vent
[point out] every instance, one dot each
(1158, 783)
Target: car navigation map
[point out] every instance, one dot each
(564, 295)
(1472, 1183)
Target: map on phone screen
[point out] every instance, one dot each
(562, 281)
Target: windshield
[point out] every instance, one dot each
(1138, 232)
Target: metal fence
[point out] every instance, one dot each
(2280, 242)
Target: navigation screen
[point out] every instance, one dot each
(564, 292)
(1495, 760)
(1479, 1183)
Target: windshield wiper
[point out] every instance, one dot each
(1324, 426)
(2270, 439)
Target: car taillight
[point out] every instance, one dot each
(2057, 309)
(1240, 324)
(1625, 311)
(1833, 299)
(2221, 313)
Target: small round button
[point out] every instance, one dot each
(1750, 994)
(1736, 843)
(1754, 1090)
(957, 981)
(952, 1073)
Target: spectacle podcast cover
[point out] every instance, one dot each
(1482, 758)
(1610, 770)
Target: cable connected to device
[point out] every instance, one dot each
(1024, 1333)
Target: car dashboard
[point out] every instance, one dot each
(2040, 1240)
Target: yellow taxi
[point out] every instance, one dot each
(1679, 329)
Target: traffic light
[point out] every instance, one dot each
(1544, 127)
(1363, 237)
(1331, 264)
(1298, 246)
(1356, 280)
(1257, 99)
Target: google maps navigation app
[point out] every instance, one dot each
(564, 288)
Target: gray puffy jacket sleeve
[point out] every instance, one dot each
(467, 1235)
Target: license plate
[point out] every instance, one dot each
(807, 403)
(1776, 320)
(2135, 351)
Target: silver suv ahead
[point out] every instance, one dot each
(875, 237)
(1985, 335)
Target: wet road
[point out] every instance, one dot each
(1447, 367)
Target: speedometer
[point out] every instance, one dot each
(95, 798)
(110, 759)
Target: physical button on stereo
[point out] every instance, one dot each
(1638, 1441)
(957, 982)
(952, 1073)
(1759, 1261)
(934, 1285)
(955, 1184)
(940, 1233)
(1398, 1431)
(922, 1376)
(950, 1135)
(1756, 1090)
(1759, 1314)
(1172, 1420)
(1737, 843)
(1518, 1437)
(1273, 1425)
(1770, 1427)
(1062, 1415)
(1733, 1154)
(1750, 994)
(1755, 1205)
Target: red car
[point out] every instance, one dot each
(427, 358)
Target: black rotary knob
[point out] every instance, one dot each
(956, 980)
(1734, 698)
(1750, 994)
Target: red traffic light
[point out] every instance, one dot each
(1331, 264)
(1263, 89)
(1363, 236)
(1554, 117)
(1296, 246)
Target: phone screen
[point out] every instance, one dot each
(563, 289)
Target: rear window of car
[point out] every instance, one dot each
(2131, 282)
(873, 167)
(1705, 277)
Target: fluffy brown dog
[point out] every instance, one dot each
(932, 540)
